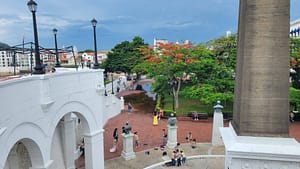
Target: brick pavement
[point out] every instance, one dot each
(151, 136)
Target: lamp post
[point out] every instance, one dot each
(32, 6)
(31, 58)
(173, 82)
(105, 77)
(112, 84)
(94, 23)
(57, 64)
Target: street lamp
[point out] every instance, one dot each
(57, 64)
(94, 23)
(173, 82)
(32, 6)
(105, 75)
(112, 84)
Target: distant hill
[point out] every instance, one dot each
(4, 45)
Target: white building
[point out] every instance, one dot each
(295, 28)
(88, 57)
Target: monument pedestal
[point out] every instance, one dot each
(246, 152)
(127, 152)
(172, 136)
(217, 123)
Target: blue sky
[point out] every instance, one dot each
(120, 20)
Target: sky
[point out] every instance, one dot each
(120, 20)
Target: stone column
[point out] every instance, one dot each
(172, 132)
(127, 152)
(217, 123)
(261, 102)
(69, 141)
(94, 153)
(258, 137)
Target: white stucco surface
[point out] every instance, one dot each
(33, 106)
(256, 152)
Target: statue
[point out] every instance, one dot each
(218, 108)
(172, 120)
(127, 128)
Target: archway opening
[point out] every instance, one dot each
(67, 147)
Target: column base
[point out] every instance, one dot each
(172, 136)
(259, 152)
(127, 152)
(217, 123)
(128, 155)
(47, 165)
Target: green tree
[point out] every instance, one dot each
(295, 61)
(214, 73)
(124, 56)
(294, 98)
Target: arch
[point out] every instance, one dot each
(34, 139)
(82, 110)
(88, 120)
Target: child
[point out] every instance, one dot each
(189, 137)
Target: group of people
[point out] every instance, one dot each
(125, 130)
(178, 157)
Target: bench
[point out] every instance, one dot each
(200, 115)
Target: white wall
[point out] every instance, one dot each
(32, 107)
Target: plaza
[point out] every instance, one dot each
(210, 156)
(205, 154)
(69, 118)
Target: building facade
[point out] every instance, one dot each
(295, 28)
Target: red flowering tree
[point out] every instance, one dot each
(170, 61)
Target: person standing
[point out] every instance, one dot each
(137, 141)
(155, 119)
(178, 157)
(164, 137)
(161, 114)
(115, 141)
(292, 116)
(183, 157)
(116, 135)
(81, 147)
(129, 107)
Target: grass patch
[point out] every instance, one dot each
(189, 105)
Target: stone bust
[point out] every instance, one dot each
(172, 120)
(127, 128)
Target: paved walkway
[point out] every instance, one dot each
(151, 137)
